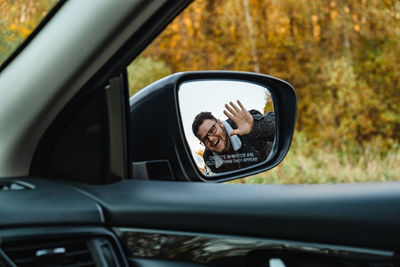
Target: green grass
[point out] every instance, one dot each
(309, 163)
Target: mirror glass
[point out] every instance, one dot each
(228, 124)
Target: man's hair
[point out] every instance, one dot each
(198, 120)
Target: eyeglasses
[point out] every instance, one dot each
(211, 132)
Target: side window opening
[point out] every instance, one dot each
(343, 68)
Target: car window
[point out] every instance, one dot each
(340, 56)
(18, 18)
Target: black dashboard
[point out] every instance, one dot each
(46, 223)
(150, 223)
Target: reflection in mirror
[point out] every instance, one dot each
(228, 124)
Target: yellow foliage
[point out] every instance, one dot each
(24, 31)
(346, 75)
(334, 15)
(14, 27)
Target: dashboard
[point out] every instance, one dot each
(59, 223)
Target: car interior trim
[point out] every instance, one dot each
(116, 129)
(83, 50)
(101, 213)
(19, 244)
(209, 247)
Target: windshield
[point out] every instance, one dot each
(18, 18)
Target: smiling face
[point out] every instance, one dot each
(214, 136)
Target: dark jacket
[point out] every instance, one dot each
(255, 148)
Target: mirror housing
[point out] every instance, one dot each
(158, 149)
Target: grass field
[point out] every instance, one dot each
(309, 162)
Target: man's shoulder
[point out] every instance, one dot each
(255, 112)
(257, 115)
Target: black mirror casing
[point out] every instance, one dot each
(158, 149)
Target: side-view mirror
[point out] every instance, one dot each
(210, 126)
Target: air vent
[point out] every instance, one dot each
(49, 252)
(15, 185)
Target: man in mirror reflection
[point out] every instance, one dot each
(244, 139)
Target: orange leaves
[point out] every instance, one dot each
(20, 30)
(341, 56)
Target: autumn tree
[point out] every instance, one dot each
(340, 55)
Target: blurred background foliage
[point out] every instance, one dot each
(341, 56)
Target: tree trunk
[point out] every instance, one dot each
(250, 28)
